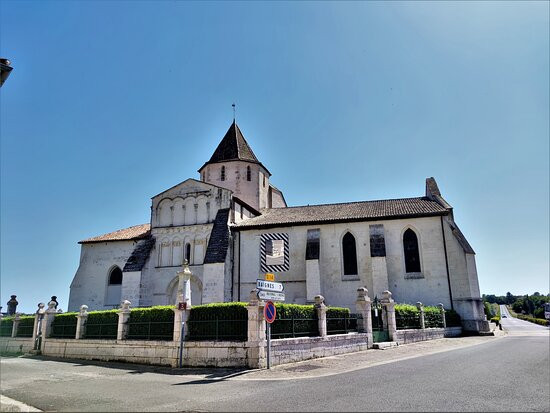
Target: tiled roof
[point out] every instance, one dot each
(140, 254)
(219, 239)
(350, 211)
(233, 147)
(132, 233)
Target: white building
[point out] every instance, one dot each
(233, 226)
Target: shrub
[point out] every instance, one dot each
(102, 324)
(6, 327)
(25, 327)
(406, 316)
(218, 321)
(495, 319)
(152, 323)
(433, 317)
(339, 320)
(539, 321)
(295, 320)
(64, 325)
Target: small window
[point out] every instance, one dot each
(115, 277)
(188, 253)
(350, 254)
(264, 180)
(248, 174)
(312, 244)
(222, 174)
(410, 248)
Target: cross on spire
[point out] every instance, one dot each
(233, 111)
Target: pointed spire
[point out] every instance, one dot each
(233, 147)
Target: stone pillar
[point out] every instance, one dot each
(123, 317)
(12, 305)
(81, 319)
(420, 307)
(313, 280)
(389, 313)
(363, 308)
(321, 309)
(442, 308)
(16, 321)
(36, 330)
(179, 317)
(256, 339)
(184, 285)
(46, 323)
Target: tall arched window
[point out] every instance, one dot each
(248, 174)
(188, 253)
(350, 254)
(115, 277)
(222, 174)
(410, 248)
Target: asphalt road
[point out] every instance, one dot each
(516, 326)
(503, 374)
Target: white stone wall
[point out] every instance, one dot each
(89, 285)
(252, 192)
(16, 344)
(339, 290)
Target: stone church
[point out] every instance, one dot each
(232, 226)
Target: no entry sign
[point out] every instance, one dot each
(269, 312)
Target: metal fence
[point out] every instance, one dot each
(25, 330)
(101, 331)
(407, 321)
(294, 327)
(150, 330)
(63, 330)
(342, 325)
(217, 329)
(432, 320)
(6, 329)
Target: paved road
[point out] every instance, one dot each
(501, 374)
(516, 326)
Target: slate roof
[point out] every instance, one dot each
(345, 212)
(219, 239)
(233, 147)
(140, 254)
(131, 233)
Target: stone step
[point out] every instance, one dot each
(384, 345)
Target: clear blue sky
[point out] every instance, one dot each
(110, 103)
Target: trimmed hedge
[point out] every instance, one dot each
(294, 320)
(26, 325)
(152, 323)
(433, 317)
(339, 321)
(539, 321)
(218, 321)
(6, 327)
(102, 325)
(64, 325)
(408, 316)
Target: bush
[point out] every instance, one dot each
(26, 325)
(102, 324)
(152, 323)
(64, 325)
(6, 327)
(295, 320)
(339, 321)
(539, 321)
(433, 317)
(218, 321)
(406, 316)
(495, 319)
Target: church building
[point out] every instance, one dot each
(233, 226)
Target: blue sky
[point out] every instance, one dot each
(110, 103)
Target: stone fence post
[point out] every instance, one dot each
(442, 308)
(420, 307)
(16, 321)
(256, 339)
(179, 317)
(321, 309)
(46, 323)
(389, 313)
(123, 317)
(183, 298)
(36, 330)
(81, 320)
(363, 307)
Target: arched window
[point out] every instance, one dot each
(410, 248)
(115, 277)
(350, 254)
(188, 253)
(248, 174)
(222, 174)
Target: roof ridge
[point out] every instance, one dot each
(353, 202)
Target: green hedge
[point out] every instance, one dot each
(218, 321)
(64, 325)
(408, 316)
(339, 321)
(102, 325)
(294, 320)
(152, 323)
(25, 327)
(433, 317)
(539, 321)
(6, 327)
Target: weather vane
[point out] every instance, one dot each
(233, 112)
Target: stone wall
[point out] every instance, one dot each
(290, 350)
(15, 344)
(414, 335)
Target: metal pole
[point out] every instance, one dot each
(268, 345)
(181, 344)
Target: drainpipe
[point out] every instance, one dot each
(447, 263)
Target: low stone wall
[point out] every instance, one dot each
(15, 344)
(414, 335)
(453, 331)
(215, 353)
(289, 350)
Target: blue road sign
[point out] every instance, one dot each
(269, 312)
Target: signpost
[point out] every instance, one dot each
(269, 314)
(269, 285)
(269, 295)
